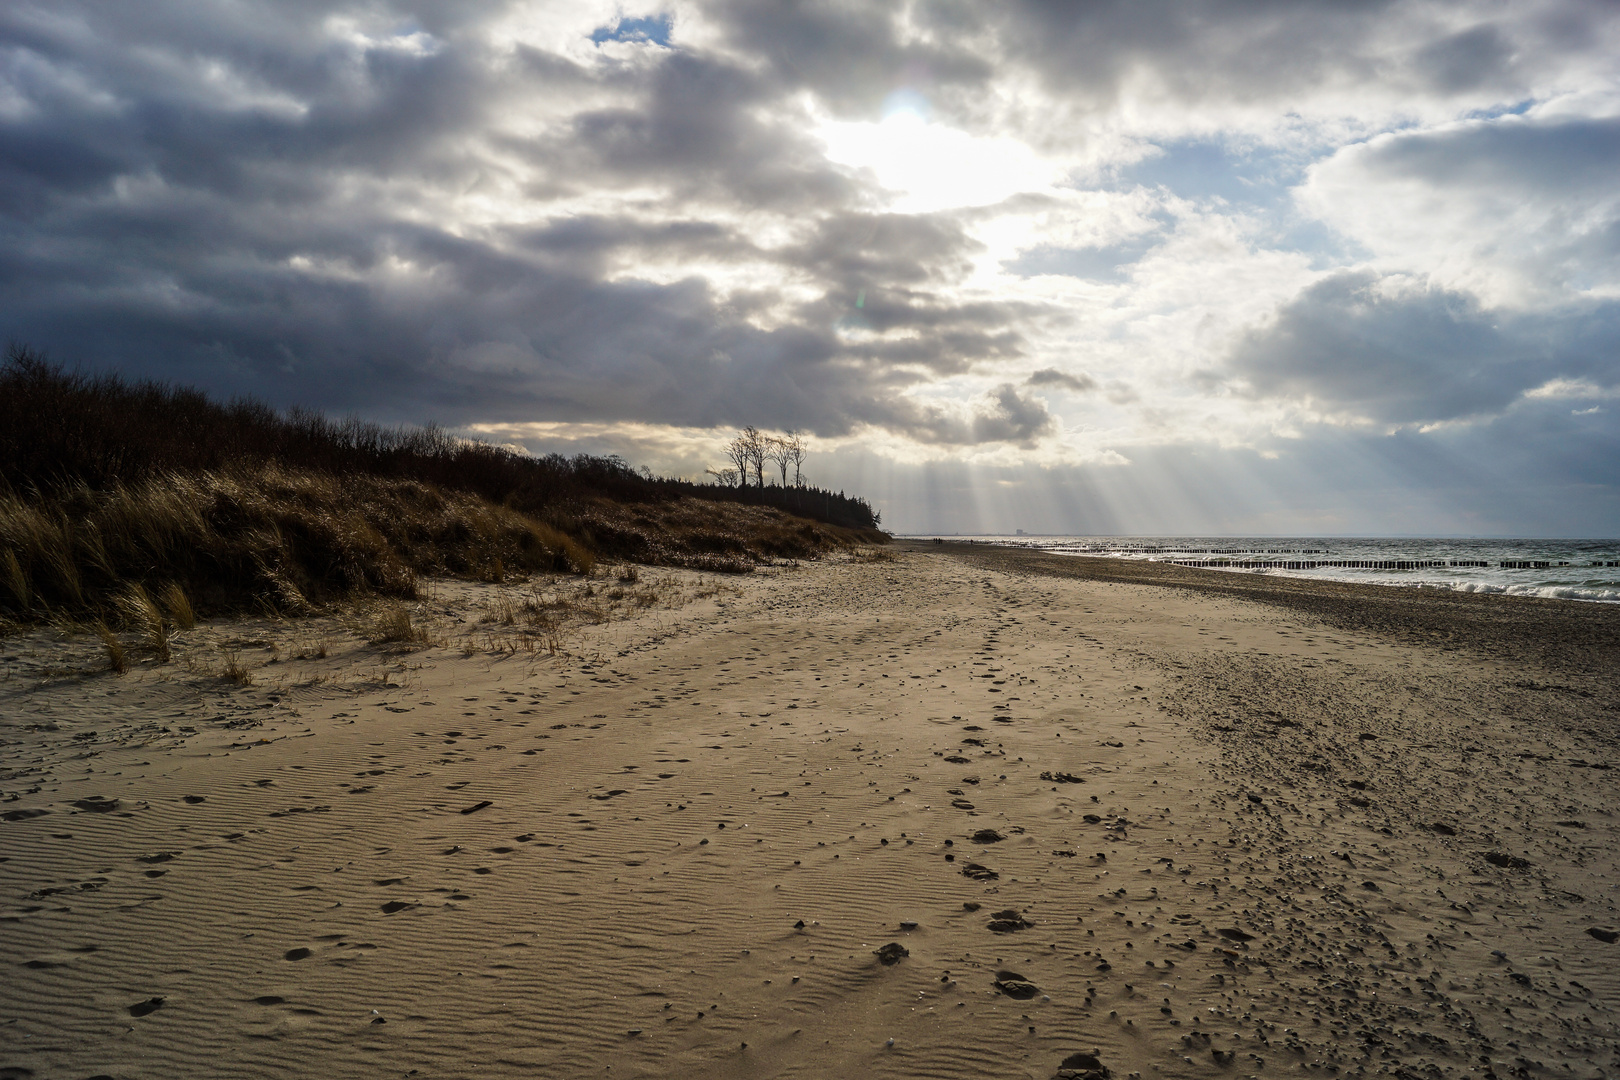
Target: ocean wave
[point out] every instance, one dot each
(1550, 592)
(1593, 594)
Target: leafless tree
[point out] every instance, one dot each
(796, 453)
(752, 448)
(754, 444)
(724, 477)
(776, 450)
(737, 452)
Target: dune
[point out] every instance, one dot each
(942, 813)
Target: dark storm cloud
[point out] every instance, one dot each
(1403, 355)
(1467, 59)
(854, 54)
(699, 125)
(862, 250)
(250, 206)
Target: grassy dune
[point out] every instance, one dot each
(118, 505)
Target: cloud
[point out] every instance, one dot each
(1391, 351)
(1012, 418)
(1197, 223)
(1079, 384)
(353, 225)
(1520, 209)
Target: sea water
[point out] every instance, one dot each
(1558, 569)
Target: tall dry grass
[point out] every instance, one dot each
(270, 536)
(393, 625)
(142, 614)
(179, 606)
(117, 663)
(141, 505)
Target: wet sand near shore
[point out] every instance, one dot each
(1583, 638)
(945, 815)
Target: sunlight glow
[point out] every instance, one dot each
(932, 167)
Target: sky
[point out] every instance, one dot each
(1189, 267)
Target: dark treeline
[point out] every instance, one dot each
(60, 428)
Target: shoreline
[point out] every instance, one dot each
(1568, 636)
(1584, 570)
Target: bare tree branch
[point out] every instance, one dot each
(794, 443)
(777, 452)
(754, 447)
(737, 454)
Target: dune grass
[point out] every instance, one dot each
(140, 506)
(274, 538)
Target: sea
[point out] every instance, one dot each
(1586, 570)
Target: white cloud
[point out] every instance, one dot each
(1520, 210)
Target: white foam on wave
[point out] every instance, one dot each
(1586, 593)
(1551, 592)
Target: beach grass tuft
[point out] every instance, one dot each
(234, 670)
(393, 625)
(114, 649)
(179, 606)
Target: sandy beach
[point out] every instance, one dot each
(954, 812)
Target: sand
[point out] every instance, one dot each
(954, 814)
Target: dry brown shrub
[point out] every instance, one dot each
(393, 625)
(235, 671)
(116, 661)
(16, 580)
(142, 614)
(179, 606)
(505, 609)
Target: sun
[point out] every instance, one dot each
(927, 166)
